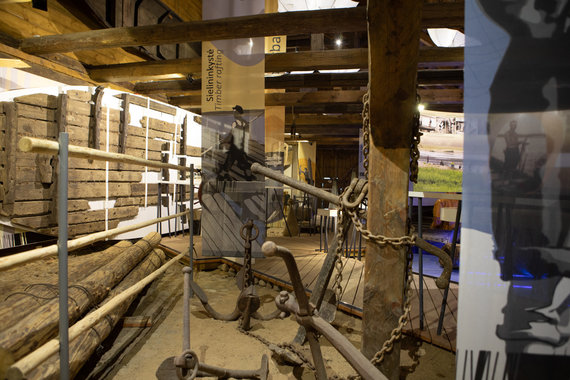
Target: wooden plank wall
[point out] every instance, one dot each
(29, 180)
(335, 163)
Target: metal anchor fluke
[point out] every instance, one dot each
(248, 301)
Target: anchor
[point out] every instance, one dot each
(248, 301)
(187, 366)
(307, 316)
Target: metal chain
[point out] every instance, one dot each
(247, 266)
(339, 264)
(284, 346)
(414, 148)
(366, 131)
(396, 333)
(381, 240)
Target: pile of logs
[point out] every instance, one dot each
(30, 317)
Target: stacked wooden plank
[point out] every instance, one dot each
(29, 181)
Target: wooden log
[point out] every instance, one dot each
(393, 64)
(28, 144)
(36, 254)
(85, 344)
(37, 328)
(19, 302)
(20, 368)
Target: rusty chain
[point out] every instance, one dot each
(366, 131)
(396, 333)
(414, 148)
(339, 264)
(352, 209)
(246, 235)
(284, 346)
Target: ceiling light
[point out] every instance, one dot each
(444, 37)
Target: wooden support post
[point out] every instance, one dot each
(96, 120)
(61, 121)
(182, 174)
(11, 109)
(123, 126)
(393, 35)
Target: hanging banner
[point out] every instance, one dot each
(275, 156)
(233, 135)
(514, 316)
(307, 162)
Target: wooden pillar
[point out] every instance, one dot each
(393, 35)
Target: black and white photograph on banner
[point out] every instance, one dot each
(517, 192)
(230, 191)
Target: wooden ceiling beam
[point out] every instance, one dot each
(316, 119)
(169, 88)
(268, 24)
(316, 97)
(294, 99)
(326, 140)
(435, 15)
(286, 62)
(149, 70)
(296, 82)
(325, 130)
(337, 108)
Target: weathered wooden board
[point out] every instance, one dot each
(41, 100)
(33, 112)
(43, 207)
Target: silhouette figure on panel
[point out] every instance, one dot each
(530, 197)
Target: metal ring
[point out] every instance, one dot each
(183, 373)
(253, 227)
(362, 191)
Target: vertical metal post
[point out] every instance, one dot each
(186, 314)
(191, 226)
(321, 234)
(359, 246)
(453, 247)
(62, 256)
(421, 265)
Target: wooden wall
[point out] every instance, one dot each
(335, 162)
(28, 180)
